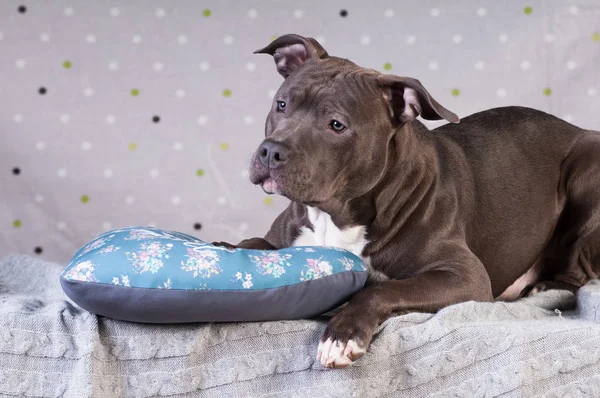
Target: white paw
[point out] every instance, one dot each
(334, 354)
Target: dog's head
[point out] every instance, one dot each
(329, 129)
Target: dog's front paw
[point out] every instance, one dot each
(224, 244)
(345, 340)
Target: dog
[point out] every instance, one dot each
(500, 205)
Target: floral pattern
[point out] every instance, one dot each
(157, 259)
(150, 257)
(202, 263)
(271, 263)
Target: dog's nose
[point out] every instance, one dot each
(272, 154)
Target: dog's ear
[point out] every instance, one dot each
(290, 51)
(407, 99)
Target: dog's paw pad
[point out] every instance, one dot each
(335, 354)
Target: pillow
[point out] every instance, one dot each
(144, 274)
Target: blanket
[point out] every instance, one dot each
(547, 345)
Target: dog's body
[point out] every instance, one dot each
(503, 203)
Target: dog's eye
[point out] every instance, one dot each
(280, 106)
(337, 126)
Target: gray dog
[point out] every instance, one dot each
(500, 205)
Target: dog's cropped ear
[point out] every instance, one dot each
(407, 99)
(290, 51)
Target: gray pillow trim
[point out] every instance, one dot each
(302, 300)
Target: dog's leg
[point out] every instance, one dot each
(252, 243)
(349, 333)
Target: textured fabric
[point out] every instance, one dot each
(137, 112)
(535, 347)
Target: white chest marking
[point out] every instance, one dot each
(326, 233)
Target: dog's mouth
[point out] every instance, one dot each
(270, 186)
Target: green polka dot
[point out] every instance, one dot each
(273, 38)
(132, 146)
(547, 91)
(17, 223)
(199, 172)
(268, 200)
(206, 13)
(224, 146)
(387, 66)
(135, 92)
(84, 199)
(67, 64)
(227, 93)
(456, 92)
(596, 37)
(527, 10)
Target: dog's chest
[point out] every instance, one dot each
(326, 233)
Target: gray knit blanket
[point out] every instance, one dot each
(547, 345)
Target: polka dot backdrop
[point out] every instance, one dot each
(128, 113)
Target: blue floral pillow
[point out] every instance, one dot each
(144, 274)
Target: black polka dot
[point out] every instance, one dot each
(42, 90)
(156, 119)
(343, 13)
(22, 9)
(16, 171)
(38, 250)
(197, 226)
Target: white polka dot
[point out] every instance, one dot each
(503, 38)
(40, 145)
(178, 146)
(592, 91)
(433, 66)
(568, 118)
(435, 12)
(479, 65)
(107, 173)
(18, 118)
(1, 36)
(175, 200)
(88, 92)
(272, 93)
(182, 39)
(180, 93)
(115, 12)
(549, 37)
(62, 173)
(252, 13)
(457, 39)
(248, 120)
(481, 12)
(153, 173)
(525, 65)
(243, 227)
(39, 198)
(61, 225)
(298, 14)
(110, 119)
(501, 92)
(90, 38)
(389, 13)
(136, 39)
(158, 66)
(20, 63)
(152, 224)
(250, 66)
(202, 120)
(69, 11)
(113, 65)
(86, 146)
(365, 40)
(245, 174)
(411, 39)
(222, 200)
(65, 118)
(204, 66)
(129, 200)
(574, 10)
(106, 226)
(228, 40)
(45, 37)
(160, 13)
(320, 39)
(571, 64)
